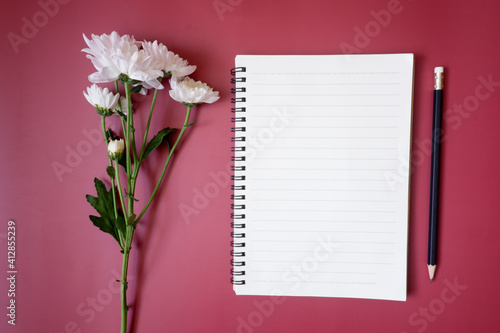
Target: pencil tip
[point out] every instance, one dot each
(432, 270)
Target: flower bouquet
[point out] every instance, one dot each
(134, 67)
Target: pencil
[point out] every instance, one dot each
(435, 161)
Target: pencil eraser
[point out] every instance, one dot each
(439, 70)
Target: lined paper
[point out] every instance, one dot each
(327, 145)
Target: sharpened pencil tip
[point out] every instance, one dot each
(432, 270)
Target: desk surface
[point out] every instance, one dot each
(180, 262)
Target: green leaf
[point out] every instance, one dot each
(110, 171)
(157, 140)
(111, 135)
(103, 204)
(191, 124)
(121, 114)
(136, 89)
(123, 162)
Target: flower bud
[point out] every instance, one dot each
(115, 149)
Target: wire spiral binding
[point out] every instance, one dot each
(238, 187)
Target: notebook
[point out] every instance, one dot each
(321, 181)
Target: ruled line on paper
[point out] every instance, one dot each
(333, 127)
(327, 105)
(326, 93)
(315, 241)
(324, 210)
(323, 200)
(326, 229)
(322, 179)
(327, 158)
(331, 221)
(321, 190)
(326, 73)
(335, 262)
(325, 84)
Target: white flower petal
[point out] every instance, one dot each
(188, 91)
(167, 61)
(101, 98)
(113, 55)
(124, 107)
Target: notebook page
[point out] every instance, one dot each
(327, 144)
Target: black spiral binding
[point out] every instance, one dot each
(237, 216)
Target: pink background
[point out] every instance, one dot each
(180, 264)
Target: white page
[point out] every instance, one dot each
(327, 146)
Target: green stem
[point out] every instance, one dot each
(170, 153)
(121, 110)
(106, 139)
(103, 126)
(130, 150)
(130, 120)
(148, 124)
(124, 283)
(129, 233)
(117, 175)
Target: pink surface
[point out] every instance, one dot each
(180, 264)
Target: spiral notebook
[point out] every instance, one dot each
(321, 180)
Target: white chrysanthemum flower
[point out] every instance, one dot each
(114, 56)
(191, 93)
(105, 44)
(169, 62)
(116, 149)
(104, 100)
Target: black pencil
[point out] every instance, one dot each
(435, 159)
